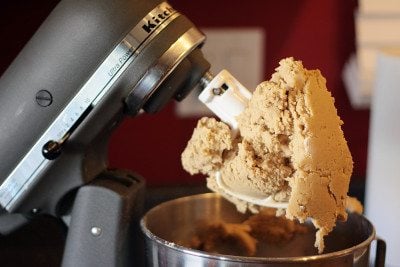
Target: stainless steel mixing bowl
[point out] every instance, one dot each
(174, 222)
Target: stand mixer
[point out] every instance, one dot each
(89, 65)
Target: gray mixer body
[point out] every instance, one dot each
(55, 65)
(89, 65)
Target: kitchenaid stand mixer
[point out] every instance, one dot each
(89, 65)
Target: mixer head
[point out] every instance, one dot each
(88, 65)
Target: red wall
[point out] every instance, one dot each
(321, 33)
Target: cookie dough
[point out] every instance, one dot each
(224, 238)
(242, 238)
(290, 145)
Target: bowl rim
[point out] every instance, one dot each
(198, 253)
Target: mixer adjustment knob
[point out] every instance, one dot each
(52, 149)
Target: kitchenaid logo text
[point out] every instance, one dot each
(156, 20)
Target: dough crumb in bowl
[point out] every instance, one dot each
(242, 239)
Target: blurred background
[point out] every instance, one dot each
(342, 38)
